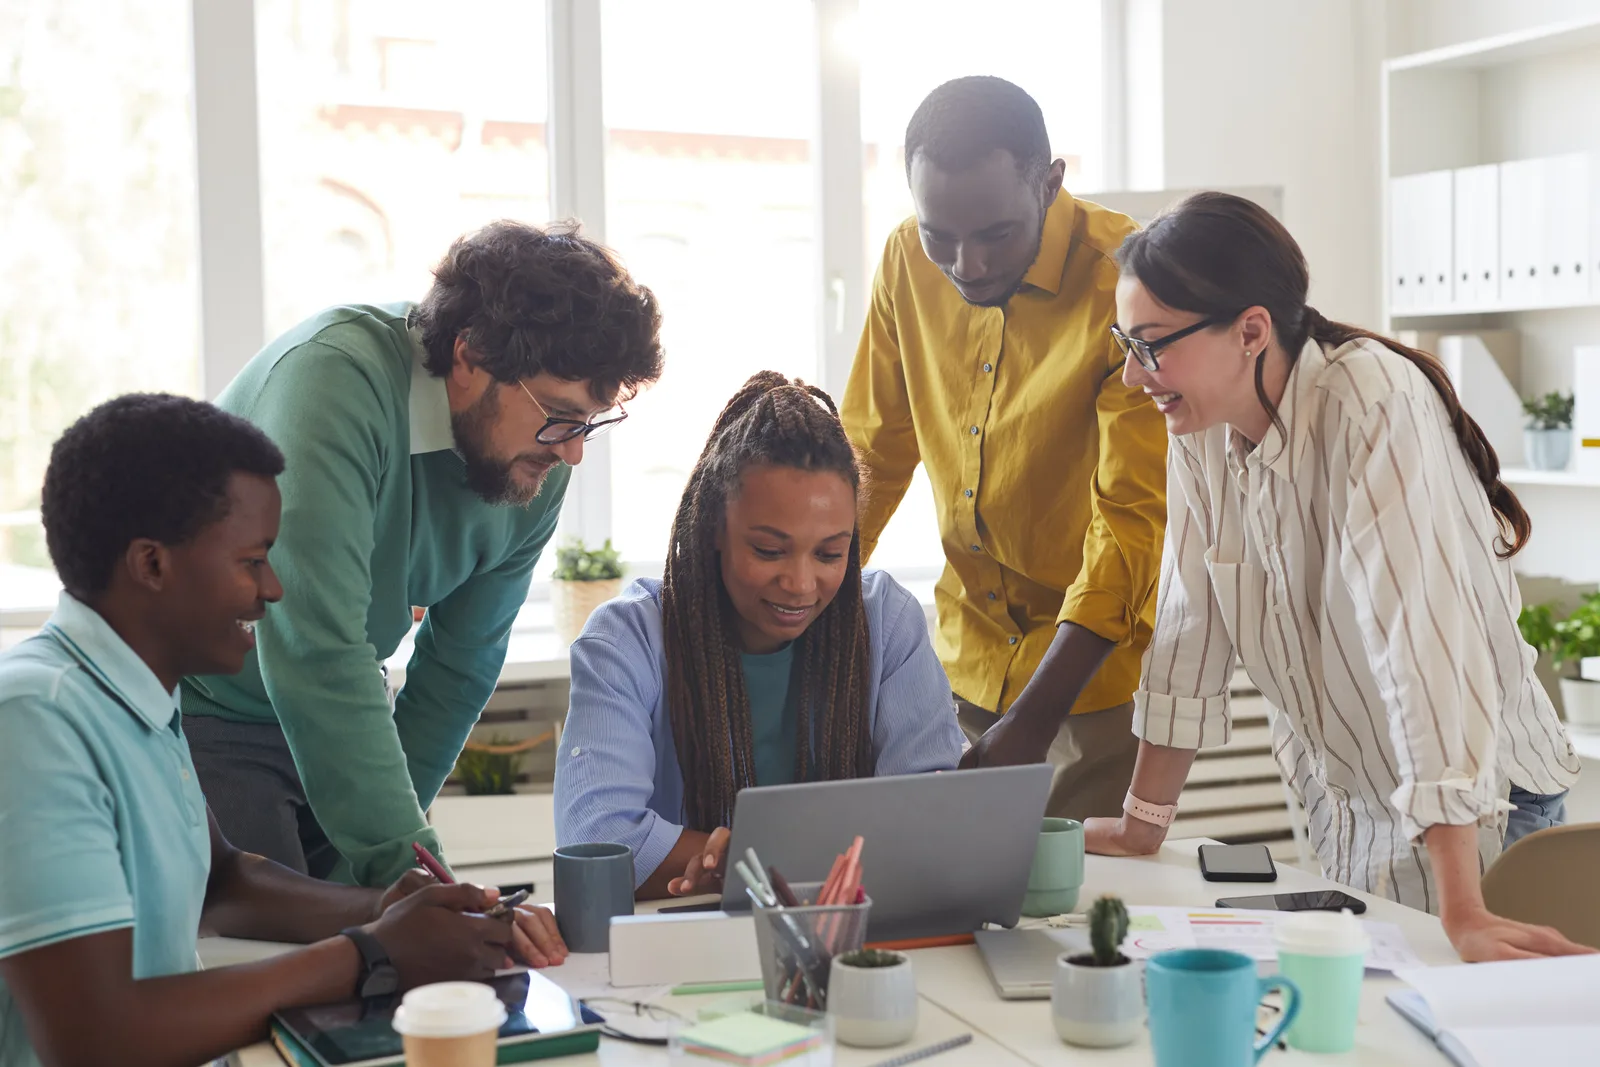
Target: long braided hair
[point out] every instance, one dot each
(770, 421)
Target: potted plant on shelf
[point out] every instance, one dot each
(1098, 997)
(1548, 435)
(492, 822)
(872, 996)
(583, 580)
(1569, 641)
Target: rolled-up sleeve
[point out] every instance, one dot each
(1182, 699)
(1127, 501)
(1424, 634)
(606, 769)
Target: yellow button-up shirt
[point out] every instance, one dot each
(1048, 473)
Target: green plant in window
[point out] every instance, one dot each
(1567, 640)
(575, 563)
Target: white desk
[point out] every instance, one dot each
(958, 998)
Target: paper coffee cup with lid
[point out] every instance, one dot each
(450, 1024)
(1324, 953)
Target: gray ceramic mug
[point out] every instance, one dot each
(593, 883)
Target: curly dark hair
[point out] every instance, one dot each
(962, 121)
(775, 422)
(143, 465)
(531, 300)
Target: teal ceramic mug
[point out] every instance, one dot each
(1203, 1005)
(1057, 872)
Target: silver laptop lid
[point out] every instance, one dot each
(944, 854)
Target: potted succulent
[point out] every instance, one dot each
(1098, 997)
(872, 996)
(583, 580)
(1569, 641)
(1548, 435)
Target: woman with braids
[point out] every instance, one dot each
(763, 656)
(1338, 524)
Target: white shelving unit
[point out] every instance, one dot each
(1532, 94)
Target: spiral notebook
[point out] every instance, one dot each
(1510, 1014)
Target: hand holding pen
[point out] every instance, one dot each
(535, 940)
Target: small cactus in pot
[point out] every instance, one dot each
(1098, 997)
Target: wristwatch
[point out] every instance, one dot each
(378, 977)
(1156, 814)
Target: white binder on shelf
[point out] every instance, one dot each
(1436, 233)
(1403, 286)
(1586, 410)
(1486, 393)
(1477, 236)
(1564, 208)
(1522, 231)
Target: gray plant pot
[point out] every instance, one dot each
(1548, 450)
(1098, 1007)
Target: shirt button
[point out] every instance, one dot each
(969, 494)
(576, 750)
(977, 548)
(1011, 640)
(973, 431)
(184, 775)
(992, 596)
(988, 368)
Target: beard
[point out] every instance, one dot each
(1011, 290)
(487, 475)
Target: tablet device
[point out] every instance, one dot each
(541, 1020)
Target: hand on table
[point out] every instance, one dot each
(703, 873)
(535, 941)
(1484, 937)
(1126, 836)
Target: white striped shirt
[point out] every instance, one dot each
(1350, 565)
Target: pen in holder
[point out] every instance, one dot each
(797, 944)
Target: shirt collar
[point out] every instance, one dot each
(429, 403)
(91, 641)
(1054, 244)
(1283, 451)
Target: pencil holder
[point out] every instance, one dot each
(797, 945)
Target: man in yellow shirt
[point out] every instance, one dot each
(987, 356)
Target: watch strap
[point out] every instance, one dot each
(378, 975)
(1156, 814)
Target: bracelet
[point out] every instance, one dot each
(1156, 814)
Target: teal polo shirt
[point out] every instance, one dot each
(102, 824)
(377, 517)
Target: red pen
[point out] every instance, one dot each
(433, 866)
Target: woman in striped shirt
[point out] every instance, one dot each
(764, 656)
(1337, 523)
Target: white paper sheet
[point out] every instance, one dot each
(1155, 929)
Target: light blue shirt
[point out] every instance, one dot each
(617, 775)
(102, 823)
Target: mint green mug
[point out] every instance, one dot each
(1057, 872)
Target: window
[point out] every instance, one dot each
(710, 199)
(908, 48)
(388, 129)
(98, 273)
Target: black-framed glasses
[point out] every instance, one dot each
(1145, 351)
(558, 431)
(632, 1020)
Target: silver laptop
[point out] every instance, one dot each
(944, 853)
(1022, 963)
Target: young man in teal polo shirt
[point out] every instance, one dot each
(159, 513)
(428, 451)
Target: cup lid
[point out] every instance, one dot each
(1321, 933)
(449, 1009)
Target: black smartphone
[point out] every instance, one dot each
(675, 909)
(1320, 900)
(1237, 863)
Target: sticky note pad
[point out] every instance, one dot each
(748, 1038)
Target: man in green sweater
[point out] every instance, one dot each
(427, 451)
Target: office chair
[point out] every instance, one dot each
(1550, 877)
